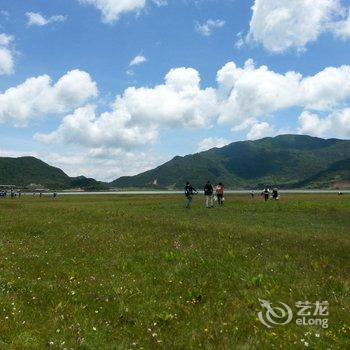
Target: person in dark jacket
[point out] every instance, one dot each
(275, 194)
(208, 192)
(266, 194)
(189, 192)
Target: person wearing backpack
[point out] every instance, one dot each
(208, 192)
(266, 194)
(189, 192)
(275, 194)
(219, 190)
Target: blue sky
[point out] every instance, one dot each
(82, 126)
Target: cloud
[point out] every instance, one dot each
(110, 129)
(212, 142)
(206, 29)
(341, 29)
(243, 99)
(5, 39)
(112, 9)
(136, 117)
(6, 54)
(5, 13)
(37, 19)
(336, 124)
(37, 97)
(240, 41)
(110, 164)
(253, 92)
(139, 59)
(280, 25)
(260, 130)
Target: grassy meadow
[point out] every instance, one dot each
(142, 272)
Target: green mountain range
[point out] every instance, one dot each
(26, 171)
(285, 161)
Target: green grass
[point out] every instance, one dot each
(141, 272)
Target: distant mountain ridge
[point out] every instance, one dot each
(24, 171)
(283, 161)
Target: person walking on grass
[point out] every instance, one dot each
(190, 191)
(266, 194)
(208, 192)
(275, 194)
(219, 190)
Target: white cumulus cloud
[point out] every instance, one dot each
(253, 92)
(137, 115)
(112, 9)
(37, 97)
(207, 28)
(110, 129)
(139, 59)
(37, 19)
(260, 130)
(212, 142)
(6, 54)
(245, 97)
(341, 29)
(336, 124)
(283, 24)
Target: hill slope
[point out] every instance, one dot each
(88, 184)
(284, 161)
(24, 171)
(336, 176)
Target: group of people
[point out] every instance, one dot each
(18, 194)
(217, 194)
(266, 194)
(13, 193)
(190, 191)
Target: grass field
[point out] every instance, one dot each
(141, 272)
